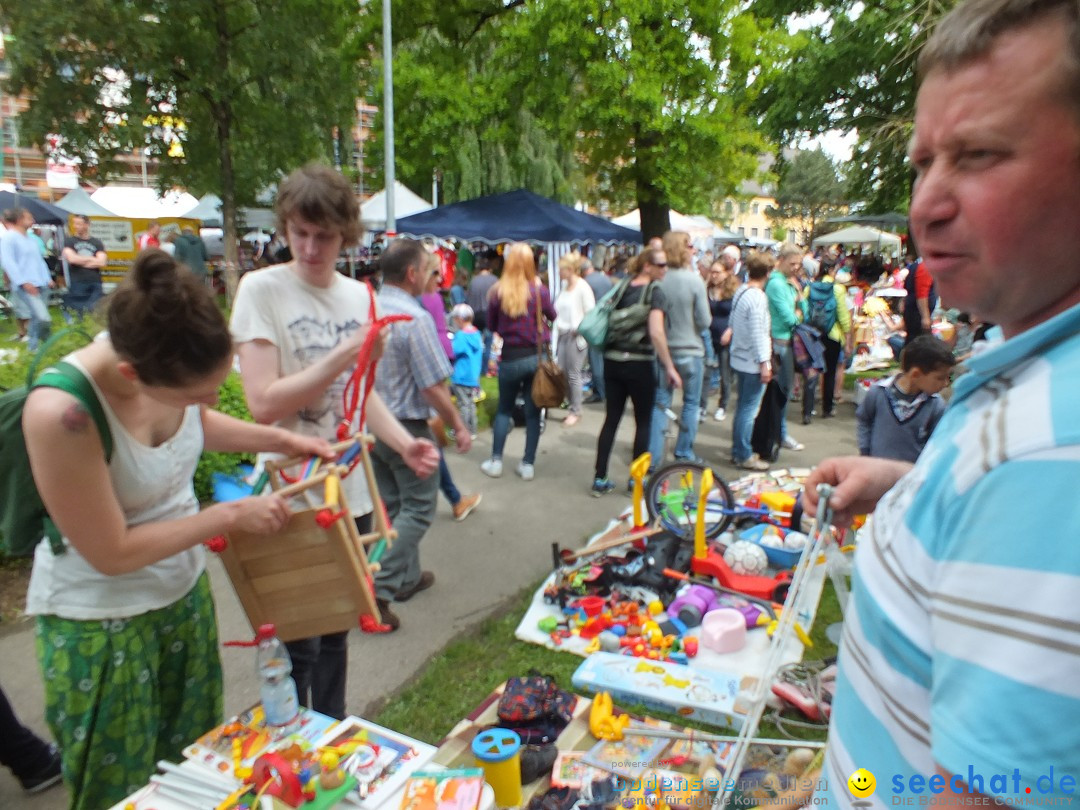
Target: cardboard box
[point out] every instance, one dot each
(705, 695)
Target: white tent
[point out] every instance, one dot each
(78, 201)
(208, 211)
(144, 203)
(695, 226)
(859, 235)
(406, 203)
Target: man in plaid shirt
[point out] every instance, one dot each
(411, 380)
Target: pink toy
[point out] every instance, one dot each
(723, 630)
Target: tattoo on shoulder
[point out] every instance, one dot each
(75, 418)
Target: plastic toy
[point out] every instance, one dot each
(745, 557)
(723, 630)
(603, 724)
(639, 467)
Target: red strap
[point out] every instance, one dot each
(351, 396)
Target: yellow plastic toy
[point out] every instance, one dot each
(603, 724)
(638, 470)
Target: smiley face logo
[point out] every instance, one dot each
(862, 783)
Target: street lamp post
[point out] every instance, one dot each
(388, 116)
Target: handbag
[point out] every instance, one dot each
(550, 385)
(594, 326)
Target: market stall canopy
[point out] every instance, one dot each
(699, 227)
(406, 203)
(44, 213)
(886, 220)
(144, 203)
(208, 211)
(514, 216)
(858, 235)
(78, 201)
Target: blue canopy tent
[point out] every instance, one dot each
(518, 216)
(44, 213)
(514, 216)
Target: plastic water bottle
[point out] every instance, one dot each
(278, 689)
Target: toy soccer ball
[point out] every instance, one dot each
(745, 557)
(772, 540)
(795, 541)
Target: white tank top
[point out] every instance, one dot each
(151, 484)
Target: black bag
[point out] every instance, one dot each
(765, 440)
(628, 327)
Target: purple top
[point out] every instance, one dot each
(519, 333)
(433, 303)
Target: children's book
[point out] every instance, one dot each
(628, 757)
(571, 771)
(216, 748)
(443, 790)
(380, 759)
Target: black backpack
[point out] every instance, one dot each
(23, 519)
(628, 327)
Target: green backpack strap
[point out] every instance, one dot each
(67, 377)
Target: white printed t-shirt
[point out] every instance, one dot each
(305, 323)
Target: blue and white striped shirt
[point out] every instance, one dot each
(962, 643)
(414, 358)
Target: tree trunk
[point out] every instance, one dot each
(223, 115)
(652, 204)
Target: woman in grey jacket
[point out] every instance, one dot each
(751, 358)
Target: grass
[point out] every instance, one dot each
(480, 660)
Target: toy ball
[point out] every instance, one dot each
(795, 541)
(745, 557)
(772, 540)
(609, 642)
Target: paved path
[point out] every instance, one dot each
(504, 546)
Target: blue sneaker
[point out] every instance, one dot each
(602, 486)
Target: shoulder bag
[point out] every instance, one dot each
(549, 386)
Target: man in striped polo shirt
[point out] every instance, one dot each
(958, 681)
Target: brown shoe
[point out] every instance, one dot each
(752, 463)
(389, 618)
(463, 507)
(427, 579)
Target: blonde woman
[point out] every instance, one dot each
(512, 313)
(575, 299)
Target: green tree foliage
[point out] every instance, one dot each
(251, 88)
(655, 97)
(808, 192)
(855, 71)
(625, 103)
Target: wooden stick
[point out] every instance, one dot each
(337, 447)
(306, 484)
(606, 545)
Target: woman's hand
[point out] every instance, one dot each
(674, 380)
(725, 338)
(261, 514)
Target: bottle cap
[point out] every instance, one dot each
(265, 632)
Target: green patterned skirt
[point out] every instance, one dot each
(120, 694)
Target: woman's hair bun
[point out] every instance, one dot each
(153, 269)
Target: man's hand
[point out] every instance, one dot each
(30, 288)
(293, 444)
(462, 439)
(766, 373)
(859, 481)
(357, 338)
(422, 457)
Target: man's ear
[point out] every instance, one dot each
(127, 371)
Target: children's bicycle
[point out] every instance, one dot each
(672, 495)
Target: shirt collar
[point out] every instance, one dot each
(1005, 354)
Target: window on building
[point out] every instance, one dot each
(729, 208)
(742, 231)
(753, 231)
(743, 207)
(754, 208)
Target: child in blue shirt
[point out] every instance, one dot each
(899, 413)
(468, 346)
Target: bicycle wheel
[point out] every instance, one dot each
(671, 496)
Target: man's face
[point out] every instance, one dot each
(996, 204)
(314, 247)
(728, 261)
(791, 266)
(26, 221)
(82, 228)
(656, 264)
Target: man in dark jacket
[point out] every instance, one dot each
(191, 251)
